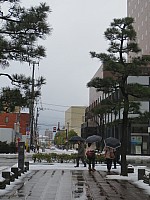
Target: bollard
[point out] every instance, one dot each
(141, 173)
(6, 175)
(2, 183)
(130, 169)
(15, 171)
(19, 172)
(12, 176)
(27, 165)
(25, 169)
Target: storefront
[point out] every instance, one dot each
(140, 143)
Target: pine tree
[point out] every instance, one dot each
(122, 37)
(20, 29)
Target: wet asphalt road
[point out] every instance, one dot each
(73, 185)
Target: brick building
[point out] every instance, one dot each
(17, 121)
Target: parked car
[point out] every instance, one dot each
(52, 148)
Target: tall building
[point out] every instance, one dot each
(138, 136)
(74, 117)
(139, 10)
(49, 134)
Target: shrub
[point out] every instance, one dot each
(100, 158)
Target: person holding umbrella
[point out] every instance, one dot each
(109, 156)
(111, 144)
(81, 154)
(90, 153)
(90, 150)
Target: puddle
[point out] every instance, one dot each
(79, 187)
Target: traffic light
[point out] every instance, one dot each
(54, 129)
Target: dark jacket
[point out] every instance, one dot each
(81, 149)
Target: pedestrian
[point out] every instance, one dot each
(109, 156)
(38, 147)
(90, 153)
(81, 154)
(117, 157)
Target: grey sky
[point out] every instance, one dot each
(78, 27)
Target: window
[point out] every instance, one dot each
(146, 32)
(6, 119)
(146, 47)
(142, 10)
(135, 6)
(146, 18)
(142, 23)
(142, 37)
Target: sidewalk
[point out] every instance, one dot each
(72, 184)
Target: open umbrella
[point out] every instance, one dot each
(112, 142)
(76, 138)
(93, 138)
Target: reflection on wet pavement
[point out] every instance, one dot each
(78, 186)
(72, 185)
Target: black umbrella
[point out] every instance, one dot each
(112, 142)
(76, 138)
(93, 138)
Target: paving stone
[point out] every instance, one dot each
(74, 184)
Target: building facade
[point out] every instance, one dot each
(139, 10)
(74, 117)
(14, 127)
(138, 136)
(20, 122)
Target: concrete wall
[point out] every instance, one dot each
(7, 134)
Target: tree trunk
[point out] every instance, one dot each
(124, 170)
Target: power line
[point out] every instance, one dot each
(51, 125)
(55, 105)
(52, 109)
(60, 111)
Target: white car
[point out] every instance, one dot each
(52, 148)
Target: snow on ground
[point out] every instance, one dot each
(133, 177)
(46, 166)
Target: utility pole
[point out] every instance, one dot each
(58, 128)
(67, 131)
(36, 129)
(32, 107)
(68, 126)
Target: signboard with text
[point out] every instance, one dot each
(136, 139)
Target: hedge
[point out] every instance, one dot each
(61, 158)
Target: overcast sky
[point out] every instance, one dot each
(78, 28)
